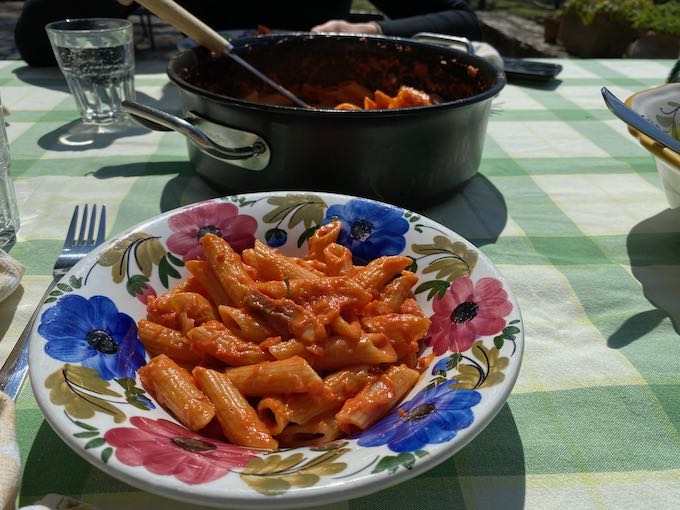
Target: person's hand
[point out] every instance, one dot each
(338, 25)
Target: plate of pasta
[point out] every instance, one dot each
(278, 349)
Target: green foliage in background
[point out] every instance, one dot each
(363, 5)
(620, 10)
(662, 18)
(533, 10)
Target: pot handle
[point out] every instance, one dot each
(446, 40)
(254, 156)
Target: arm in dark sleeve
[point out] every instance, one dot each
(453, 17)
(30, 36)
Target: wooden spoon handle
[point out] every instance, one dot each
(187, 23)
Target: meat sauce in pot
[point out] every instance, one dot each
(352, 75)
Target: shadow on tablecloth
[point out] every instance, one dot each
(477, 211)
(654, 250)
(78, 137)
(184, 188)
(75, 136)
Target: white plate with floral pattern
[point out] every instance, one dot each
(660, 105)
(84, 353)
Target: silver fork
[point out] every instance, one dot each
(13, 372)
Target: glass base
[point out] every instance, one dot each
(112, 125)
(104, 120)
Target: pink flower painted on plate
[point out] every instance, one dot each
(146, 291)
(167, 449)
(467, 312)
(219, 218)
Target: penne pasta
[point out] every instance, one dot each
(411, 306)
(370, 349)
(378, 272)
(161, 340)
(394, 294)
(336, 292)
(288, 349)
(266, 267)
(237, 418)
(228, 268)
(303, 408)
(314, 347)
(191, 284)
(376, 399)
(285, 317)
(286, 267)
(274, 413)
(245, 324)
(320, 431)
(338, 352)
(338, 260)
(404, 330)
(341, 327)
(200, 269)
(167, 318)
(215, 339)
(323, 237)
(194, 305)
(174, 388)
(293, 375)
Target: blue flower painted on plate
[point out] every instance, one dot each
(433, 416)
(95, 334)
(441, 365)
(369, 230)
(276, 237)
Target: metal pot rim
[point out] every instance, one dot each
(497, 86)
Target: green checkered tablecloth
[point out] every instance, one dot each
(567, 205)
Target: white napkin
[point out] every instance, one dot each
(11, 467)
(9, 454)
(11, 273)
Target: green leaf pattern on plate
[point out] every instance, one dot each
(81, 391)
(485, 368)
(64, 288)
(667, 119)
(306, 209)
(275, 474)
(147, 252)
(95, 441)
(392, 463)
(448, 259)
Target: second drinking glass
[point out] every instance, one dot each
(97, 58)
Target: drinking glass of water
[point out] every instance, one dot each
(9, 214)
(97, 58)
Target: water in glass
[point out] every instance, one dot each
(99, 79)
(96, 57)
(9, 214)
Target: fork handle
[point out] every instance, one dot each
(13, 372)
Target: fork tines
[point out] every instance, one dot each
(85, 225)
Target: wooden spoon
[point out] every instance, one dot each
(189, 24)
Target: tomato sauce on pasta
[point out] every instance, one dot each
(276, 351)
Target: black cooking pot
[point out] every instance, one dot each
(406, 156)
